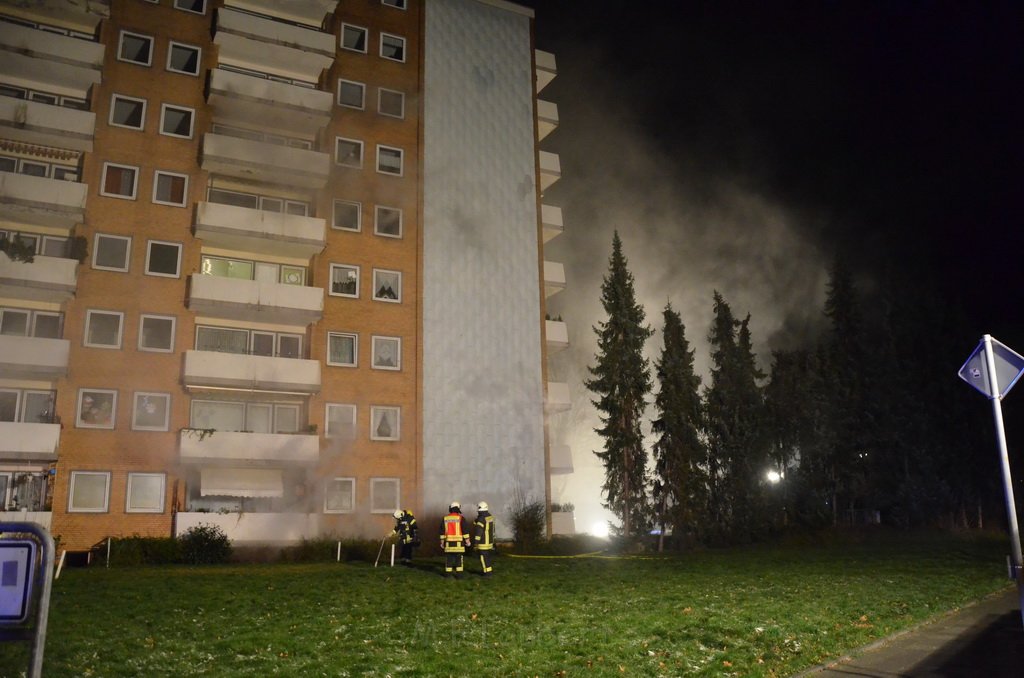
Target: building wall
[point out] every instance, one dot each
(483, 435)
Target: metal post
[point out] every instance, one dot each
(1004, 458)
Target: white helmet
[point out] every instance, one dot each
(397, 514)
(454, 505)
(482, 506)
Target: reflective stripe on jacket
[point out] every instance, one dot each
(483, 531)
(452, 533)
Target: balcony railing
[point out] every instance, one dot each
(26, 199)
(32, 58)
(213, 369)
(546, 69)
(33, 357)
(44, 279)
(239, 98)
(547, 118)
(255, 300)
(264, 162)
(561, 459)
(29, 441)
(254, 528)
(45, 124)
(551, 221)
(558, 397)
(550, 170)
(249, 449)
(554, 278)
(556, 334)
(259, 231)
(263, 44)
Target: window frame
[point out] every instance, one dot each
(359, 215)
(329, 432)
(376, 221)
(149, 252)
(82, 394)
(171, 45)
(380, 480)
(403, 46)
(379, 272)
(114, 98)
(330, 289)
(120, 47)
(96, 251)
(89, 313)
(351, 482)
(380, 108)
(354, 336)
(374, 409)
(362, 94)
(132, 475)
(72, 484)
(191, 121)
(166, 397)
(379, 340)
(396, 4)
(135, 181)
(357, 144)
(142, 332)
(366, 38)
(177, 6)
(157, 175)
(401, 160)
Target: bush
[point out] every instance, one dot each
(205, 545)
(528, 525)
(136, 550)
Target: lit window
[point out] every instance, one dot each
(88, 492)
(145, 493)
(170, 189)
(387, 353)
(183, 58)
(351, 94)
(119, 181)
(135, 48)
(96, 408)
(387, 285)
(353, 38)
(347, 215)
(344, 280)
(348, 152)
(156, 333)
(340, 421)
(385, 423)
(391, 103)
(151, 411)
(110, 252)
(196, 6)
(392, 47)
(176, 121)
(342, 349)
(340, 495)
(389, 160)
(103, 329)
(385, 495)
(127, 112)
(163, 259)
(387, 221)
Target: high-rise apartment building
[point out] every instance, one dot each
(273, 265)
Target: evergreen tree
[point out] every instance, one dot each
(621, 380)
(680, 485)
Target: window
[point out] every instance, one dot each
(392, 47)
(340, 421)
(262, 271)
(387, 353)
(251, 417)
(163, 258)
(389, 160)
(351, 94)
(96, 408)
(119, 181)
(347, 215)
(353, 38)
(183, 58)
(387, 285)
(342, 349)
(103, 329)
(145, 493)
(348, 152)
(340, 495)
(384, 423)
(135, 48)
(387, 221)
(169, 189)
(110, 252)
(390, 102)
(176, 121)
(156, 333)
(252, 342)
(398, 4)
(127, 112)
(196, 6)
(151, 411)
(88, 492)
(23, 322)
(344, 281)
(28, 406)
(385, 495)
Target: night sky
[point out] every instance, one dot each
(739, 147)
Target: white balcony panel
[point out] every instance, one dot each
(258, 231)
(254, 528)
(551, 221)
(561, 459)
(268, 104)
(42, 60)
(310, 12)
(249, 449)
(554, 277)
(558, 397)
(34, 442)
(550, 169)
(78, 16)
(26, 199)
(33, 357)
(547, 118)
(45, 279)
(255, 300)
(557, 335)
(272, 46)
(268, 163)
(251, 372)
(56, 126)
(563, 523)
(41, 518)
(546, 69)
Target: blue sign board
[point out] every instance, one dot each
(1008, 363)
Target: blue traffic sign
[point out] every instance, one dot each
(1009, 365)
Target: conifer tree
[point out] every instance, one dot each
(621, 380)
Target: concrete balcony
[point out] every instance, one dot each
(242, 99)
(551, 221)
(40, 201)
(260, 232)
(547, 118)
(309, 12)
(558, 397)
(554, 278)
(273, 47)
(212, 369)
(264, 162)
(550, 170)
(561, 459)
(29, 442)
(45, 279)
(54, 63)
(556, 334)
(254, 528)
(249, 449)
(546, 69)
(255, 300)
(33, 357)
(41, 518)
(78, 16)
(563, 522)
(46, 125)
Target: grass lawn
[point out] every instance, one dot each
(760, 611)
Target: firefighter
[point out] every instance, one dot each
(454, 539)
(407, 533)
(483, 538)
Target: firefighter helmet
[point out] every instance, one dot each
(455, 506)
(397, 514)
(482, 506)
